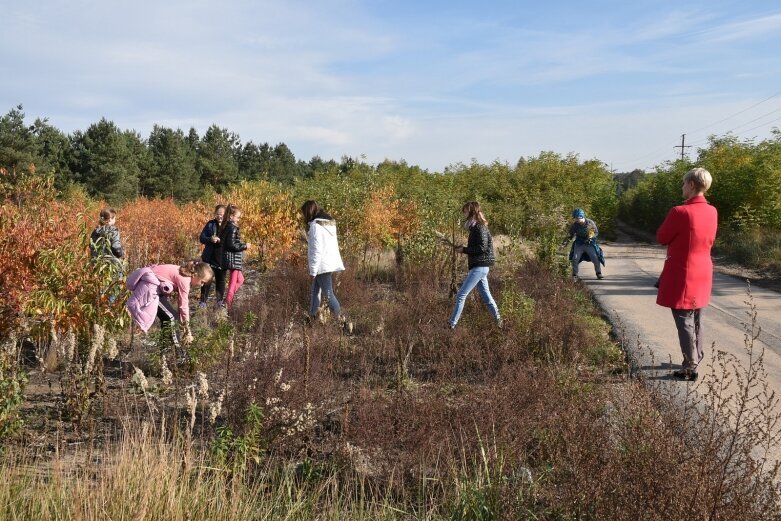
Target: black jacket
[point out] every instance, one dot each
(105, 242)
(232, 248)
(211, 250)
(480, 247)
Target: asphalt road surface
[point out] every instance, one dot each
(628, 297)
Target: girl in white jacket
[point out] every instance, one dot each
(323, 255)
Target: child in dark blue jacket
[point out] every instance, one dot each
(212, 252)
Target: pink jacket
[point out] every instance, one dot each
(143, 301)
(170, 273)
(688, 232)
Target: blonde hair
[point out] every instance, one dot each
(201, 270)
(700, 177)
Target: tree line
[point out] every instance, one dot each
(746, 185)
(536, 194)
(119, 165)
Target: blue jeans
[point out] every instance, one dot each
(476, 277)
(324, 283)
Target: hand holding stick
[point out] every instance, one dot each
(444, 239)
(447, 242)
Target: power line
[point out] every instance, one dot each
(657, 152)
(647, 155)
(701, 141)
(737, 113)
(762, 125)
(755, 119)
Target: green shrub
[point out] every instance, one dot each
(12, 382)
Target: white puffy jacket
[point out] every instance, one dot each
(323, 249)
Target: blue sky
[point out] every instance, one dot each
(431, 82)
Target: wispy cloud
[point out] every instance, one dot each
(753, 29)
(674, 24)
(434, 86)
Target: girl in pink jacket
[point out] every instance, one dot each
(150, 289)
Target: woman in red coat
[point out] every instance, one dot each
(688, 231)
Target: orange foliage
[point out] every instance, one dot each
(46, 272)
(32, 222)
(385, 219)
(405, 219)
(157, 231)
(268, 220)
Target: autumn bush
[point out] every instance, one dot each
(158, 231)
(269, 220)
(31, 221)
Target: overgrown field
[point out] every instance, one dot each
(401, 418)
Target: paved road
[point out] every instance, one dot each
(628, 297)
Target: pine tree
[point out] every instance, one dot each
(283, 166)
(173, 172)
(217, 165)
(102, 161)
(53, 152)
(17, 142)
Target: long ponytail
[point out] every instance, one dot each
(230, 210)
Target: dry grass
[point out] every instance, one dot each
(406, 419)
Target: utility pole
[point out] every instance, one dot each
(683, 146)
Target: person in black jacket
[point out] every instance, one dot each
(106, 247)
(210, 238)
(480, 251)
(105, 242)
(232, 251)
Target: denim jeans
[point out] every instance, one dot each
(324, 283)
(476, 277)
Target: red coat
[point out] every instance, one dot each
(688, 231)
